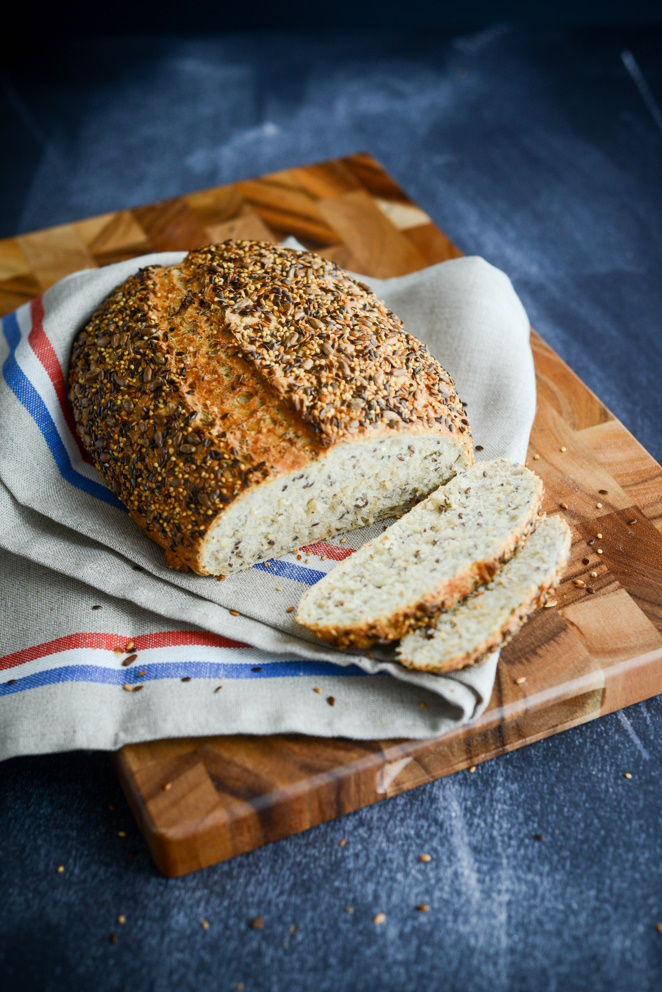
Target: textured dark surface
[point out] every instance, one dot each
(542, 152)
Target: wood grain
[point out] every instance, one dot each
(594, 652)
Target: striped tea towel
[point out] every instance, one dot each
(83, 589)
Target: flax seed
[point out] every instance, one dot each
(331, 700)
(234, 613)
(127, 661)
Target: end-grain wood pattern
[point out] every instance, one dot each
(598, 649)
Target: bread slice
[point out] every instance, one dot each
(428, 560)
(252, 399)
(490, 616)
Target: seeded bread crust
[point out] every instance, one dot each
(192, 385)
(318, 607)
(419, 650)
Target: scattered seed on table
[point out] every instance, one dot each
(143, 671)
(423, 907)
(220, 578)
(126, 687)
(590, 591)
(599, 550)
(538, 836)
(60, 869)
(579, 583)
(472, 769)
(598, 506)
(343, 540)
(217, 689)
(331, 700)
(127, 661)
(167, 786)
(520, 680)
(317, 690)
(591, 542)
(290, 609)
(277, 588)
(129, 646)
(630, 522)
(550, 603)
(291, 929)
(256, 923)
(234, 613)
(603, 492)
(342, 842)
(585, 561)
(121, 833)
(379, 918)
(563, 448)
(113, 938)
(594, 575)
(422, 705)
(536, 458)
(658, 927)
(425, 858)
(204, 924)
(137, 688)
(350, 910)
(121, 919)
(564, 506)
(599, 537)
(97, 607)
(627, 774)
(187, 678)
(479, 447)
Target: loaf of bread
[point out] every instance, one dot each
(491, 615)
(253, 399)
(427, 561)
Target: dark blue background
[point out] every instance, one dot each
(540, 149)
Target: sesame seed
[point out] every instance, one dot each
(130, 646)
(563, 448)
(599, 550)
(126, 687)
(598, 506)
(630, 522)
(536, 458)
(343, 540)
(290, 609)
(277, 588)
(627, 774)
(425, 858)
(379, 918)
(472, 769)
(603, 492)
(520, 680)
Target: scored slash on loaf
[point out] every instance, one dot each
(427, 561)
(253, 399)
(491, 615)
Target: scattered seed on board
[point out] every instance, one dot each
(350, 910)
(564, 506)
(234, 613)
(60, 869)
(627, 774)
(204, 924)
(550, 603)
(599, 550)
(290, 609)
(379, 918)
(127, 661)
(423, 907)
(521, 680)
(599, 537)
(536, 458)
(130, 646)
(563, 448)
(598, 506)
(317, 690)
(594, 575)
(579, 583)
(217, 689)
(342, 842)
(603, 492)
(425, 858)
(472, 769)
(331, 700)
(167, 787)
(121, 919)
(590, 591)
(630, 522)
(256, 923)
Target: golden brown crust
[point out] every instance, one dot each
(193, 384)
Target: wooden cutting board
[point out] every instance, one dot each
(597, 650)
